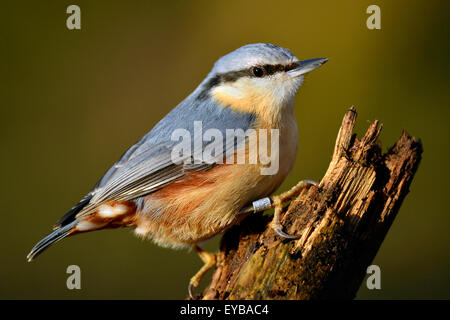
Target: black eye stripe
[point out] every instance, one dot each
(291, 66)
(269, 69)
(274, 68)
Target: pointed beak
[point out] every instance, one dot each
(306, 66)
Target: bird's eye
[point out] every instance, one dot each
(257, 72)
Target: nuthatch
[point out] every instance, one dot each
(179, 204)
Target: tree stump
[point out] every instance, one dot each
(341, 223)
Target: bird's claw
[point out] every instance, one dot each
(283, 234)
(276, 225)
(191, 287)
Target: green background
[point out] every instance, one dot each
(73, 101)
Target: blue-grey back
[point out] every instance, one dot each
(153, 151)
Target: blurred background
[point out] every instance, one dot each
(73, 101)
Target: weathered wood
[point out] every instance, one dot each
(341, 224)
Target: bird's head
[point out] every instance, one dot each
(258, 78)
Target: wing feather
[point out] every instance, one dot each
(151, 170)
(147, 166)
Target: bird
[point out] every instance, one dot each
(183, 200)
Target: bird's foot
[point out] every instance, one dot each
(276, 202)
(209, 260)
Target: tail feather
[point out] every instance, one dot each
(53, 237)
(70, 216)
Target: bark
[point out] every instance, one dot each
(341, 224)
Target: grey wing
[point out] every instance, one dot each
(139, 174)
(142, 169)
(147, 166)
